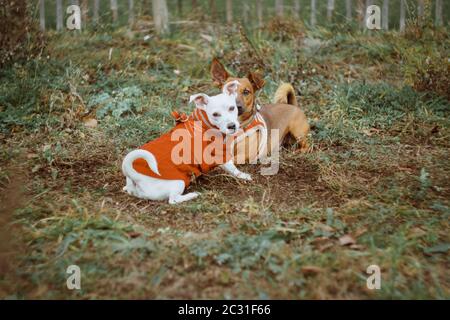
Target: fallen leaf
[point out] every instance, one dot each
(90, 122)
(357, 247)
(134, 234)
(311, 270)
(325, 227)
(206, 37)
(346, 240)
(320, 240)
(370, 132)
(416, 232)
(286, 230)
(405, 169)
(324, 247)
(360, 232)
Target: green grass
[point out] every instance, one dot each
(378, 172)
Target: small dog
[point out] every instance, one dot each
(284, 114)
(153, 171)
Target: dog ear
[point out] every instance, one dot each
(200, 100)
(256, 80)
(231, 87)
(218, 72)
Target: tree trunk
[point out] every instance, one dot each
(131, 13)
(360, 11)
(259, 12)
(385, 15)
(194, 4)
(366, 16)
(245, 11)
(42, 14)
(161, 16)
(115, 13)
(313, 12)
(297, 9)
(279, 8)
(59, 15)
(402, 15)
(348, 10)
(84, 13)
(439, 7)
(420, 8)
(180, 7)
(330, 9)
(213, 10)
(229, 9)
(96, 9)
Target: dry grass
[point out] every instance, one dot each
(378, 174)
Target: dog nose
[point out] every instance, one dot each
(231, 126)
(240, 110)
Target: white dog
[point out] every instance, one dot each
(152, 172)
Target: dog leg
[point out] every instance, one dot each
(178, 198)
(299, 129)
(231, 169)
(129, 187)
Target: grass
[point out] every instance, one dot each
(377, 175)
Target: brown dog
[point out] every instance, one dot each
(284, 114)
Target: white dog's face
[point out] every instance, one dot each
(221, 109)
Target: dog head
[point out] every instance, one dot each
(246, 93)
(221, 109)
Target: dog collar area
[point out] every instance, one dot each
(251, 119)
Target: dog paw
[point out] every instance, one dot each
(194, 195)
(244, 176)
(182, 198)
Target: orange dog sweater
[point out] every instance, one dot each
(196, 126)
(193, 164)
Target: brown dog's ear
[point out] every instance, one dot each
(218, 72)
(256, 80)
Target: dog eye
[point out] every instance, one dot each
(246, 92)
(216, 114)
(231, 109)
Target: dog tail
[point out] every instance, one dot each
(285, 94)
(127, 164)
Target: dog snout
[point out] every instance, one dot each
(240, 109)
(231, 126)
